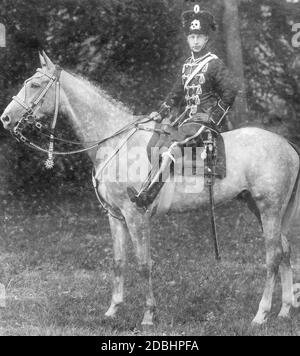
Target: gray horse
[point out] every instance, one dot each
(258, 161)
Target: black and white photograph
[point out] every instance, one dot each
(149, 170)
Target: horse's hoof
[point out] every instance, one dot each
(285, 311)
(257, 322)
(114, 310)
(148, 318)
(256, 325)
(286, 317)
(146, 328)
(108, 320)
(296, 290)
(109, 316)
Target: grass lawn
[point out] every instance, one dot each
(56, 259)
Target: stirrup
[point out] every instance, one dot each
(139, 200)
(132, 193)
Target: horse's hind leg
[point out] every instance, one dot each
(286, 275)
(272, 232)
(119, 234)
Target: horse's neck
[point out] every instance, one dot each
(92, 115)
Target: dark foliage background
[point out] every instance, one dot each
(55, 246)
(134, 50)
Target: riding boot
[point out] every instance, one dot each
(152, 187)
(146, 196)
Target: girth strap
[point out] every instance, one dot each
(108, 208)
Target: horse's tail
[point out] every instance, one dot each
(293, 208)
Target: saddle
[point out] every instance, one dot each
(195, 151)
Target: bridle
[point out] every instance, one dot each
(29, 118)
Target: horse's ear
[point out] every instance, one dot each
(50, 65)
(42, 60)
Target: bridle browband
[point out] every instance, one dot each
(30, 118)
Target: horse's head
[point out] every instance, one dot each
(37, 99)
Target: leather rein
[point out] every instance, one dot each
(30, 118)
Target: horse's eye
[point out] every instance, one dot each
(35, 84)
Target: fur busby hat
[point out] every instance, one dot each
(197, 21)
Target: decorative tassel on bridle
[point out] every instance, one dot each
(49, 163)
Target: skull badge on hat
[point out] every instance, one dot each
(198, 21)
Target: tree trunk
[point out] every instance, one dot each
(296, 70)
(235, 57)
(2, 79)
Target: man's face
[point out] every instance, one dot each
(196, 41)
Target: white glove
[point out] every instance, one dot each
(155, 116)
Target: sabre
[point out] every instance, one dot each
(210, 183)
(213, 222)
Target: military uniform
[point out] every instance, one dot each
(204, 92)
(211, 91)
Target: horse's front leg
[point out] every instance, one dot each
(139, 229)
(119, 234)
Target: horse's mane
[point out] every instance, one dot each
(95, 86)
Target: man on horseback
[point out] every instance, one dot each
(203, 94)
